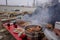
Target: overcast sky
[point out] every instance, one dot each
(2, 2)
(20, 2)
(17, 2)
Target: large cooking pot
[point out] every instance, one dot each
(34, 32)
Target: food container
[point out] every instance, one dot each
(19, 31)
(22, 23)
(34, 34)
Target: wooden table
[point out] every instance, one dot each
(10, 29)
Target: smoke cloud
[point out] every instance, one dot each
(41, 14)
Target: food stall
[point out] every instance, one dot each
(25, 31)
(37, 26)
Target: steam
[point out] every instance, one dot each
(41, 14)
(42, 17)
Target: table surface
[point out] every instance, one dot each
(15, 35)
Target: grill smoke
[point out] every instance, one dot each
(43, 13)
